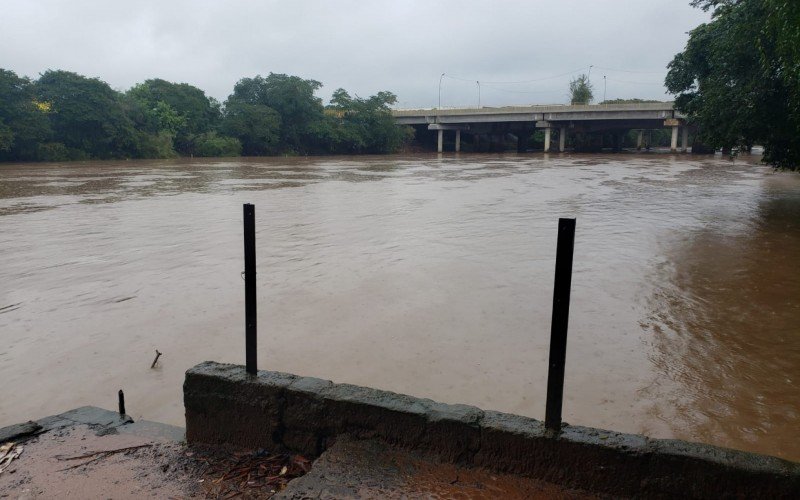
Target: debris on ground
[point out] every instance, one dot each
(99, 455)
(259, 474)
(9, 452)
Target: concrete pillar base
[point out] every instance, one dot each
(685, 139)
(673, 145)
(547, 139)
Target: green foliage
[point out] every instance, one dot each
(56, 151)
(178, 108)
(738, 78)
(292, 98)
(23, 124)
(257, 127)
(86, 114)
(581, 90)
(364, 125)
(6, 137)
(212, 144)
(154, 145)
(65, 116)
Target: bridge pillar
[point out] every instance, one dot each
(562, 139)
(440, 141)
(685, 139)
(547, 139)
(673, 145)
(458, 140)
(639, 140)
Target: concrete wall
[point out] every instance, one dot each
(225, 406)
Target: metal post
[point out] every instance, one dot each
(121, 402)
(440, 92)
(250, 287)
(558, 327)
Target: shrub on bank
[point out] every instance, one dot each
(212, 144)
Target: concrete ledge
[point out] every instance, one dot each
(225, 406)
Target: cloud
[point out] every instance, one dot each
(366, 46)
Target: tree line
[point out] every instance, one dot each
(738, 79)
(66, 116)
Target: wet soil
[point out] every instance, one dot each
(49, 467)
(106, 456)
(371, 469)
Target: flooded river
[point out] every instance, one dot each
(425, 275)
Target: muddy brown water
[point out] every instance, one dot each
(424, 275)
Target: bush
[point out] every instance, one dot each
(154, 145)
(211, 144)
(56, 151)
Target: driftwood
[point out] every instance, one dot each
(9, 452)
(158, 355)
(97, 455)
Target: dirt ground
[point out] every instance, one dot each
(81, 461)
(70, 463)
(371, 469)
(90, 453)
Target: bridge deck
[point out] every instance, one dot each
(550, 112)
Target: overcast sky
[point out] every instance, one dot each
(363, 46)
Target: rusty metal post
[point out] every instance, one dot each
(250, 287)
(558, 327)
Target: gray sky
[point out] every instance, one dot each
(363, 46)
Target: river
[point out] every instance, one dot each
(427, 275)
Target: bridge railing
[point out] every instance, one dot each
(644, 106)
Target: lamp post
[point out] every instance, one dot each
(479, 93)
(440, 91)
(604, 88)
(589, 76)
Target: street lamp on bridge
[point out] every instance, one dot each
(440, 91)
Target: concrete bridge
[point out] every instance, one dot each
(565, 119)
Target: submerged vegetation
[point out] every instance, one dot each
(67, 116)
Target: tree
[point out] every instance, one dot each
(212, 144)
(177, 108)
(364, 125)
(292, 98)
(256, 126)
(23, 120)
(86, 115)
(738, 79)
(580, 90)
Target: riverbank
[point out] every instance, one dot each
(91, 453)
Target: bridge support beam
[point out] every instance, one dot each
(458, 140)
(440, 141)
(639, 138)
(562, 139)
(685, 139)
(673, 145)
(547, 139)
